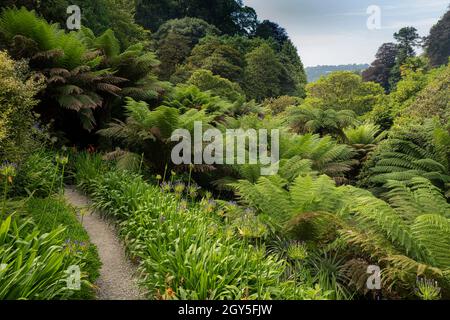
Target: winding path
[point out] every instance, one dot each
(116, 281)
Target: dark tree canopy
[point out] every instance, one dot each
(380, 69)
(437, 44)
(228, 15)
(295, 77)
(268, 29)
(51, 10)
(219, 57)
(98, 16)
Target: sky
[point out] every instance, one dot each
(331, 32)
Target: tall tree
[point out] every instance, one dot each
(176, 38)
(343, 90)
(407, 39)
(268, 29)
(262, 73)
(437, 44)
(380, 69)
(295, 80)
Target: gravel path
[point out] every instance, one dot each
(116, 281)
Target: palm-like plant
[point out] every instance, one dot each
(71, 71)
(365, 134)
(184, 97)
(364, 140)
(417, 151)
(306, 119)
(136, 64)
(298, 153)
(408, 236)
(147, 132)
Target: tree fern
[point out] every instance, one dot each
(411, 230)
(407, 154)
(306, 119)
(148, 131)
(407, 235)
(74, 79)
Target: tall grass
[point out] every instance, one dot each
(185, 252)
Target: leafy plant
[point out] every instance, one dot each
(147, 132)
(52, 213)
(41, 271)
(69, 68)
(17, 92)
(186, 252)
(406, 154)
(40, 175)
(306, 119)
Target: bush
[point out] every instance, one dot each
(280, 104)
(344, 90)
(16, 102)
(224, 88)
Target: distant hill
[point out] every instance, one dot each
(314, 73)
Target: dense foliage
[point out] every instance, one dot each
(364, 163)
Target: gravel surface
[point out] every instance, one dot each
(116, 281)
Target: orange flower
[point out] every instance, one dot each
(170, 293)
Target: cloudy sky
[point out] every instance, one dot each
(336, 32)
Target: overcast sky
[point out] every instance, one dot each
(336, 32)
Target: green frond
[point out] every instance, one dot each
(432, 231)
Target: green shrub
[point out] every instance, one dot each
(205, 80)
(16, 102)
